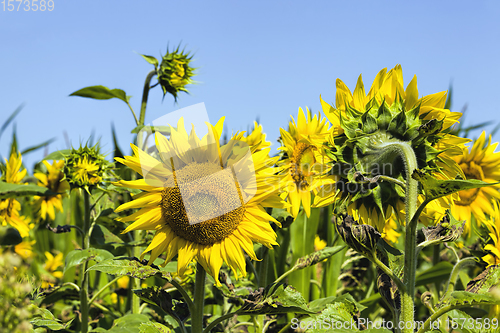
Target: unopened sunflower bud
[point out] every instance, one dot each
(175, 72)
(85, 167)
(361, 237)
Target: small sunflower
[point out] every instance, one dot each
(10, 208)
(304, 166)
(193, 203)
(257, 138)
(53, 179)
(365, 122)
(175, 72)
(25, 249)
(52, 266)
(483, 163)
(86, 167)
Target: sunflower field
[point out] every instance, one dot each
(376, 214)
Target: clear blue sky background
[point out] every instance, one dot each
(260, 59)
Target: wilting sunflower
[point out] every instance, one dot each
(364, 122)
(304, 167)
(10, 208)
(53, 180)
(193, 203)
(483, 163)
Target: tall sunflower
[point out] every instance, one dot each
(192, 201)
(10, 208)
(483, 163)
(363, 122)
(53, 179)
(304, 166)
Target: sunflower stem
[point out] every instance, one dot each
(405, 152)
(199, 300)
(84, 283)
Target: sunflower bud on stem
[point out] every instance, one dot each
(361, 237)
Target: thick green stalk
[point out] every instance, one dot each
(199, 300)
(405, 151)
(84, 283)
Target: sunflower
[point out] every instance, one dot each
(51, 266)
(363, 122)
(52, 180)
(257, 138)
(10, 208)
(493, 257)
(304, 166)
(191, 200)
(483, 163)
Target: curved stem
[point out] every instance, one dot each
(199, 300)
(103, 289)
(454, 273)
(133, 113)
(406, 153)
(435, 316)
(390, 273)
(217, 321)
(393, 180)
(184, 294)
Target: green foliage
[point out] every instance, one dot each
(129, 266)
(9, 190)
(101, 92)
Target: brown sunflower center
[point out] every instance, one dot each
(301, 161)
(471, 171)
(203, 203)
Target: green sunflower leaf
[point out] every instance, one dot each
(49, 321)
(78, 257)
(341, 314)
(152, 60)
(58, 155)
(482, 290)
(129, 323)
(436, 188)
(318, 256)
(151, 327)
(101, 92)
(274, 301)
(129, 266)
(8, 190)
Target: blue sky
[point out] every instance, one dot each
(260, 59)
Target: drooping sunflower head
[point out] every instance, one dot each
(85, 167)
(175, 72)
(483, 163)
(204, 201)
(366, 123)
(304, 162)
(53, 179)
